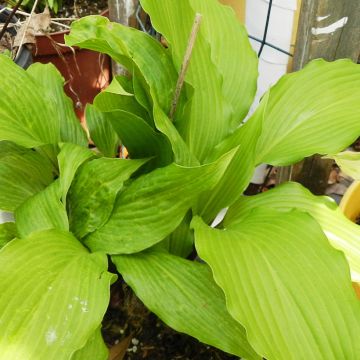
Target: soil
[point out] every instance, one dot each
(141, 335)
(80, 8)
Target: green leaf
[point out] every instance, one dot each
(101, 132)
(239, 172)
(49, 78)
(92, 195)
(285, 284)
(54, 294)
(95, 348)
(70, 158)
(30, 121)
(43, 211)
(349, 162)
(181, 241)
(139, 138)
(119, 95)
(304, 111)
(23, 173)
(222, 78)
(7, 233)
(153, 206)
(184, 295)
(341, 232)
(144, 57)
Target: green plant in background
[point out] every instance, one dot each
(274, 283)
(54, 5)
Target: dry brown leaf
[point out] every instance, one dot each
(36, 24)
(118, 351)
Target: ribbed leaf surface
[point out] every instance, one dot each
(184, 295)
(42, 211)
(70, 158)
(153, 206)
(23, 173)
(101, 132)
(341, 232)
(49, 78)
(305, 109)
(285, 284)
(53, 296)
(219, 75)
(147, 59)
(93, 192)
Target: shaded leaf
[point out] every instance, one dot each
(66, 291)
(184, 295)
(7, 233)
(144, 57)
(93, 192)
(285, 284)
(23, 173)
(70, 158)
(153, 206)
(101, 132)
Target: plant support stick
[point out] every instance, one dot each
(185, 63)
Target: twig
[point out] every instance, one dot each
(60, 24)
(23, 13)
(9, 18)
(26, 28)
(185, 64)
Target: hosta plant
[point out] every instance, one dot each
(274, 280)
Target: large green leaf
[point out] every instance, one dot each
(144, 57)
(349, 162)
(54, 294)
(49, 78)
(341, 232)
(31, 121)
(23, 173)
(92, 195)
(70, 158)
(42, 211)
(101, 132)
(305, 109)
(153, 206)
(184, 295)
(222, 77)
(95, 348)
(285, 284)
(7, 233)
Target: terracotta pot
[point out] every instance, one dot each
(86, 72)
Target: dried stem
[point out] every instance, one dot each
(185, 63)
(26, 27)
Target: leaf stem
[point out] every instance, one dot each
(185, 63)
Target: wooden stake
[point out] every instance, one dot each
(185, 63)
